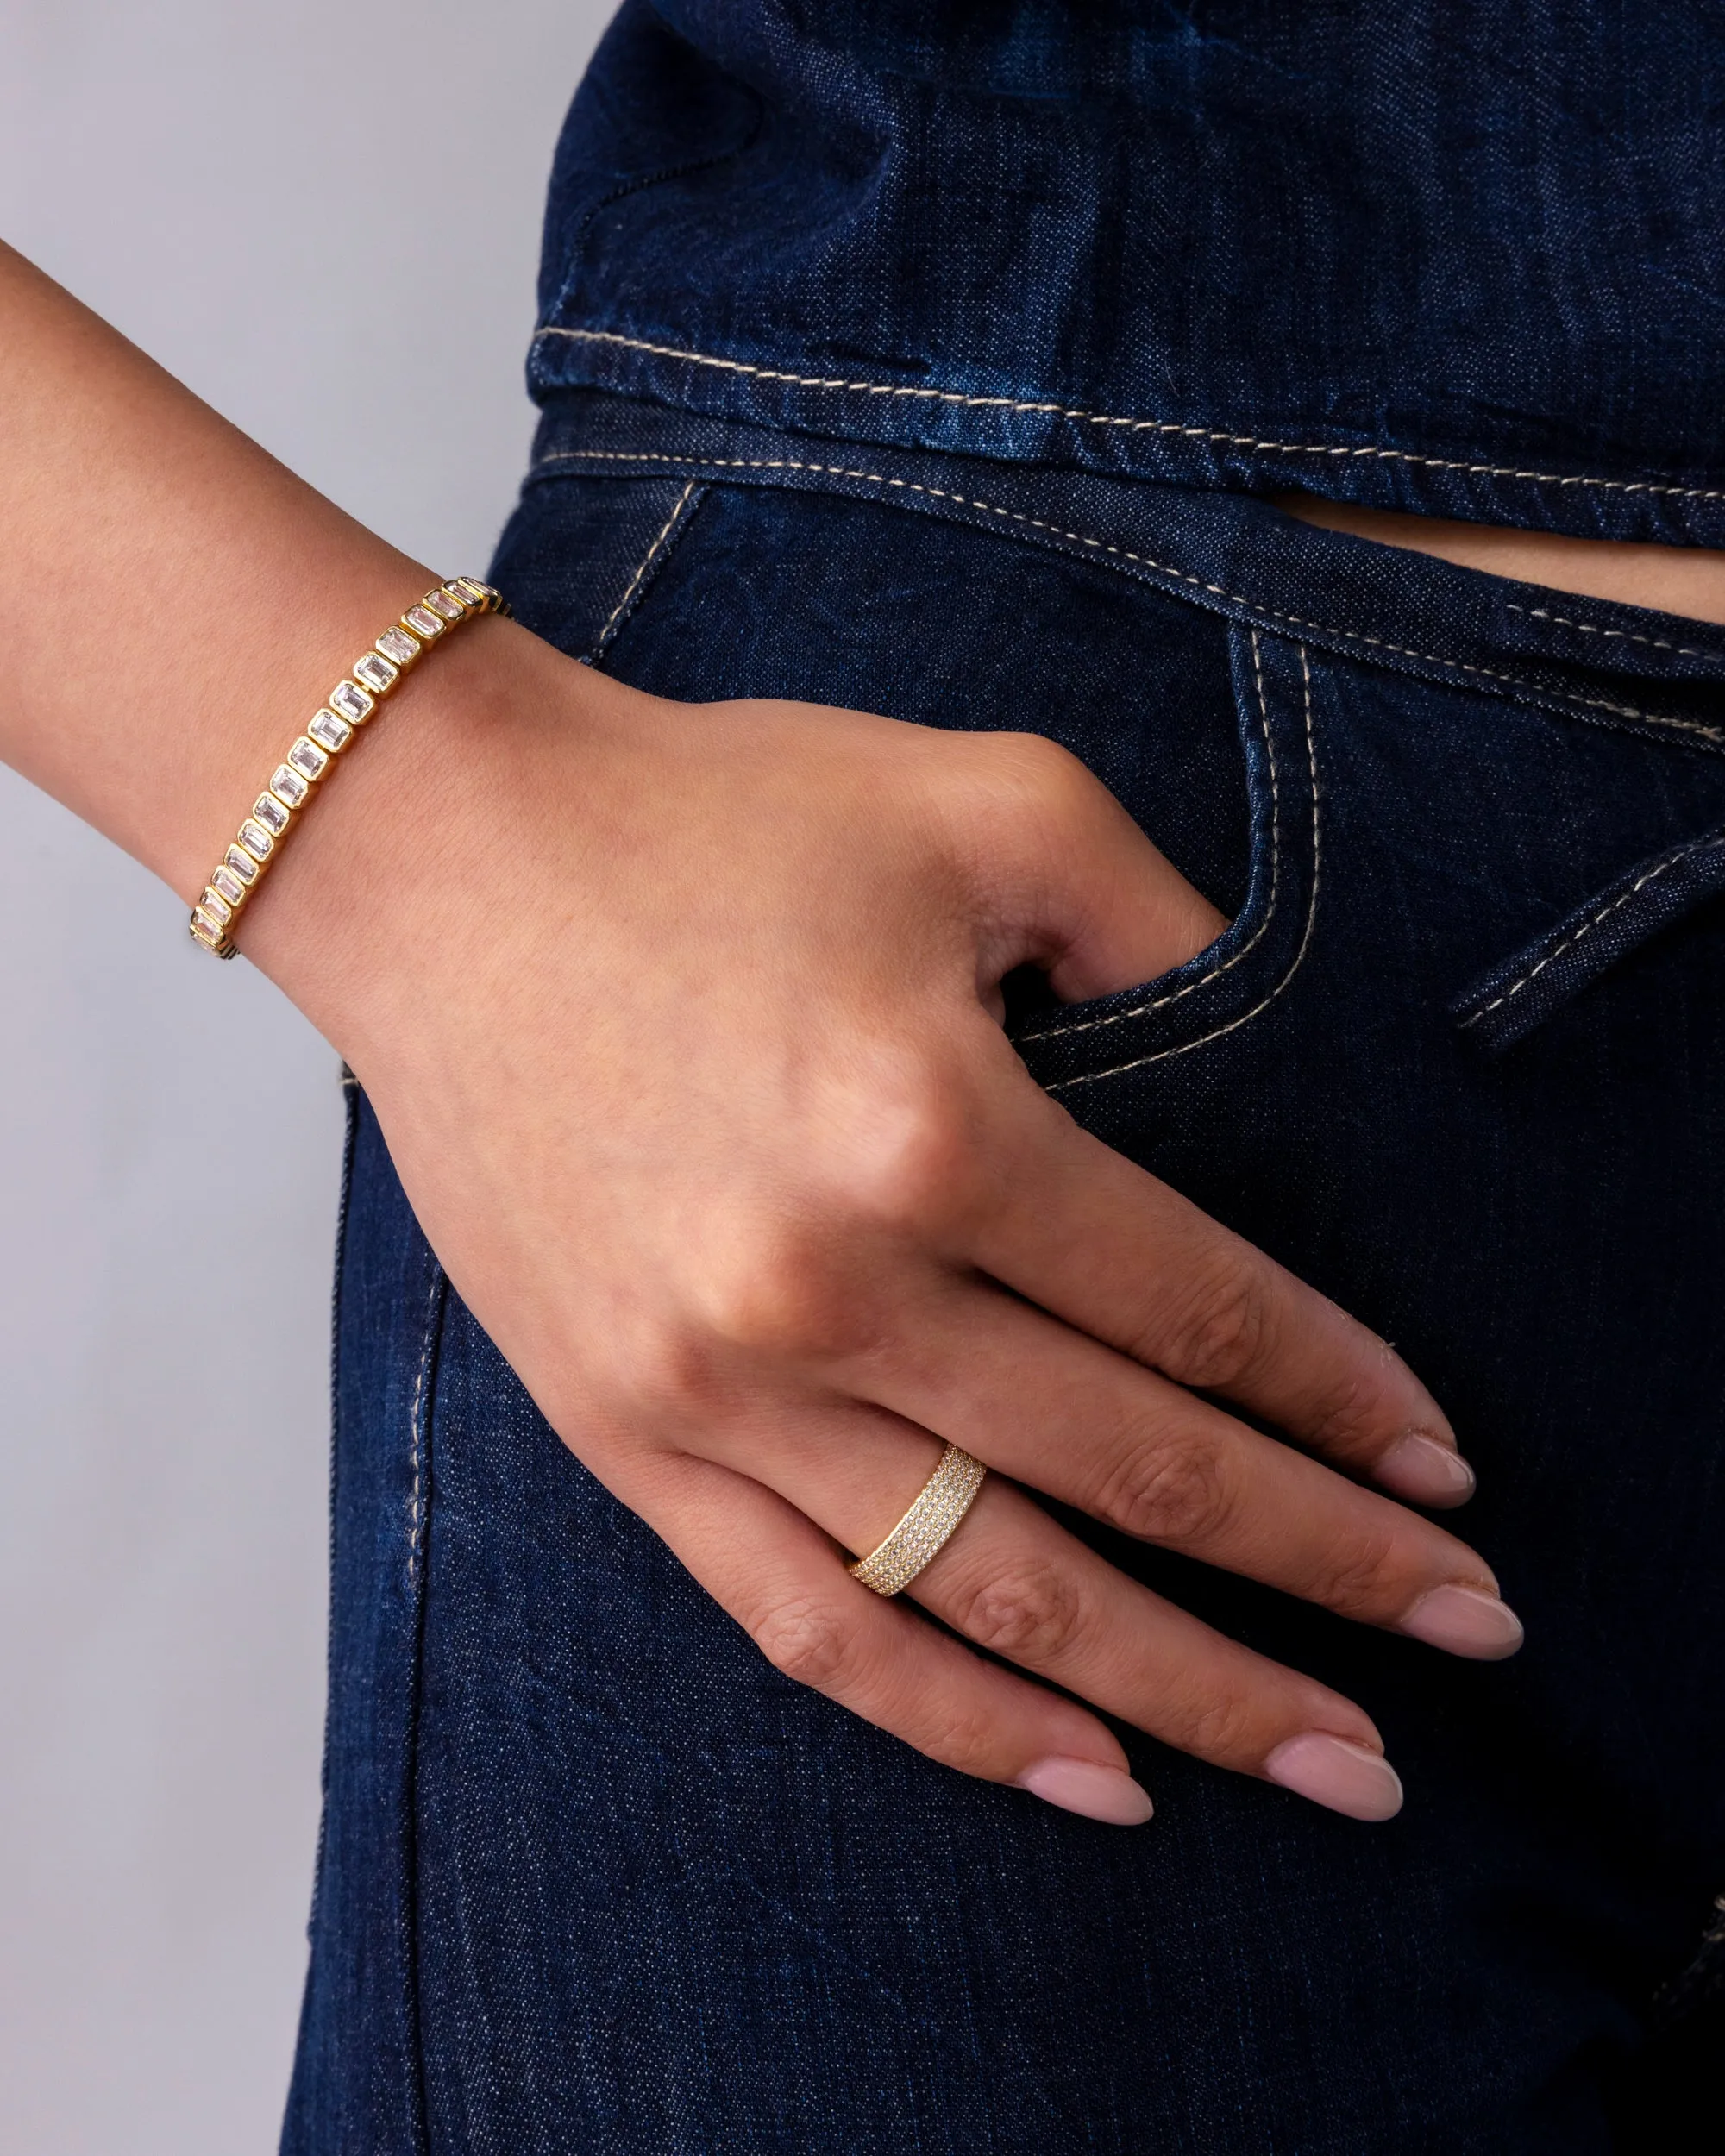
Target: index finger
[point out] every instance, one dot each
(1094, 1239)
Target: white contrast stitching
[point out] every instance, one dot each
(1592, 629)
(1144, 560)
(647, 561)
(1141, 1010)
(413, 1423)
(1161, 1055)
(1132, 426)
(1699, 846)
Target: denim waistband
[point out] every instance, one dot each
(1233, 554)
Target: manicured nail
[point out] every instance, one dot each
(1345, 1777)
(1080, 1785)
(1424, 1470)
(1464, 1620)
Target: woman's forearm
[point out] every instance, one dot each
(175, 600)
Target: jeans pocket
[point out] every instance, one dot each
(1256, 956)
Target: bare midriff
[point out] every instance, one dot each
(1686, 580)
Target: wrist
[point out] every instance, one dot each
(424, 835)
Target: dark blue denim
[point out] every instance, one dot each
(597, 1879)
(1462, 256)
(941, 359)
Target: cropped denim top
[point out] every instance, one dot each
(1457, 256)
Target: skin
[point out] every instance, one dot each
(564, 934)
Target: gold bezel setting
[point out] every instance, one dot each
(293, 784)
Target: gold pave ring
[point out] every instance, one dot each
(926, 1528)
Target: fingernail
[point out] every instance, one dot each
(1424, 1470)
(1464, 1620)
(1345, 1777)
(1080, 1785)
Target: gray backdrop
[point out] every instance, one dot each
(323, 215)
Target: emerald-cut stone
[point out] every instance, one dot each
(376, 672)
(271, 814)
(333, 733)
(256, 841)
(227, 881)
(422, 621)
(308, 759)
(444, 603)
(241, 862)
(352, 702)
(288, 785)
(398, 646)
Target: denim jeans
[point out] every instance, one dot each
(596, 1878)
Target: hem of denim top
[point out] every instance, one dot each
(1233, 554)
(1020, 424)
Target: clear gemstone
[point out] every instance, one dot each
(271, 814)
(286, 785)
(422, 621)
(397, 644)
(308, 759)
(376, 672)
(241, 862)
(333, 733)
(228, 885)
(443, 603)
(472, 590)
(352, 702)
(207, 931)
(216, 905)
(256, 841)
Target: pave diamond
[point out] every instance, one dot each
(443, 603)
(286, 785)
(352, 702)
(308, 759)
(333, 733)
(376, 672)
(209, 932)
(228, 885)
(216, 905)
(397, 644)
(241, 862)
(256, 841)
(271, 814)
(422, 621)
(924, 1531)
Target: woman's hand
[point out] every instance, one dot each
(681, 1024)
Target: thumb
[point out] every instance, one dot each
(1082, 892)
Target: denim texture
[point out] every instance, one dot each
(1451, 255)
(596, 1878)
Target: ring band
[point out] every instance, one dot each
(926, 1528)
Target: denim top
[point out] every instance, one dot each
(1458, 256)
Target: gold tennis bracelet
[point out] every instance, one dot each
(375, 674)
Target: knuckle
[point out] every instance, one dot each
(1170, 1489)
(807, 1639)
(1221, 1333)
(904, 1158)
(1029, 1612)
(1365, 1577)
(1223, 1726)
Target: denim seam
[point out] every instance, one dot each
(1142, 1010)
(1714, 734)
(648, 559)
(1131, 426)
(415, 1415)
(1697, 846)
(1161, 1055)
(1627, 636)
